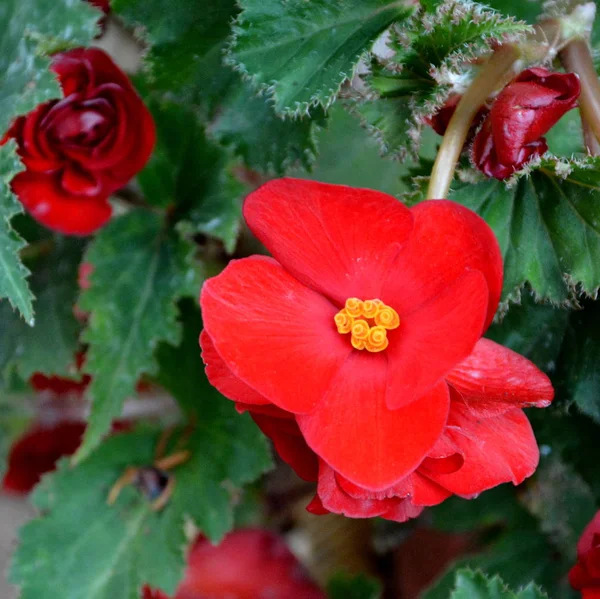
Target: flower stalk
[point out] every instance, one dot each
(492, 76)
(576, 57)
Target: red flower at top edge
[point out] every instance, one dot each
(247, 564)
(525, 110)
(585, 574)
(410, 405)
(79, 150)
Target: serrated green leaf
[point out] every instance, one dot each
(192, 176)
(563, 502)
(186, 46)
(49, 346)
(140, 270)
(301, 51)
(13, 274)
(343, 586)
(547, 225)
(247, 123)
(476, 585)
(433, 56)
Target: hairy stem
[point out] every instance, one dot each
(576, 57)
(491, 76)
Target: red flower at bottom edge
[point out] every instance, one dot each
(358, 348)
(247, 564)
(585, 574)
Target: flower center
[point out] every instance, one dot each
(368, 322)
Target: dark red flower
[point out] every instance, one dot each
(37, 452)
(103, 5)
(522, 113)
(440, 120)
(62, 386)
(585, 574)
(247, 564)
(358, 348)
(80, 149)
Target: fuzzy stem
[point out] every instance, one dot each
(576, 58)
(491, 76)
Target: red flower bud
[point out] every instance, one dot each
(247, 564)
(523, 112)
(440, 120)
(79, 150)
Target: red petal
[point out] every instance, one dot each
(431, 341)
(337, 240)
(268, 410)
(494, 379)
(221, 377)
(366, 442)
(496, 450)
(289, 444)
(49, 204)
(586, 541)
(447, 240)
(274, 334)
(316, 507)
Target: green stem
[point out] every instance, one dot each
(577, 58)
(491, 76)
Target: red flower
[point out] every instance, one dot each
(523, 112)
(103, 5)
(392, 410)
(61, 386)
(585, 574)
(37, 452)
(248, 563)
(440, 120)
(80, 149)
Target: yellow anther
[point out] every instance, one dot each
(377, 339)
(344, 322)
(354, 306)
(368, 322)
(388, 318)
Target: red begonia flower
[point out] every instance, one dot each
(521, 114)
(62, 386)
(103, 5)
(585, 574)
(357, 348)
(247, 564)
(440, 120)
(37, 452)
(78, 150)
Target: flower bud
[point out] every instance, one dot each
(522, 113)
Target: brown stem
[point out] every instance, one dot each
(491, 76)
(577, 58)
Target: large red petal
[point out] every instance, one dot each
(494, 379)
(360, 437)
(289, 444)
(274, 334)
(49, 204)
(496, 450)
(586, 541)
(431, 341)
(337, 240)
(221, 377)
(447, 240)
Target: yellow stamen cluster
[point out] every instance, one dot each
(368, 321)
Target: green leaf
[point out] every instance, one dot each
(301, 51)
(140, 270)
(128, 544)
(13, 274)
(191, 175)
(476, 585)
(16, 414)
(433, 56)
(186, 46)
(27, 31)
(548, 226)
(563, 502)
(268, 143)
(49, 346)
(343, 586)
(536, 331)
